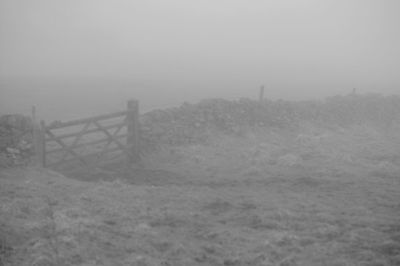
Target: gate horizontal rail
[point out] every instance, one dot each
(69, 135)
(58, 125)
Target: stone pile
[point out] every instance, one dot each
(15, 139)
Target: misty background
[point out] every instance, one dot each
(83, 57)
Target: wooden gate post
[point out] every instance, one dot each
(261, 94)
(39, 142)
(133, 131)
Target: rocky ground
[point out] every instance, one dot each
(314, 196)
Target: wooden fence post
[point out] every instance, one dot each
(38, 140)
(261, 94)
(33, 114)
(42, 143)
(133, 131)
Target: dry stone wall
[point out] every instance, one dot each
(193, 123)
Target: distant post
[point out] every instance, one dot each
(33, 113)
(42, 144)
(38, 140)
(261, 94)
(133, 131)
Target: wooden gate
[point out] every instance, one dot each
(89, 141)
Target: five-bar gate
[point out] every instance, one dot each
(89, 141)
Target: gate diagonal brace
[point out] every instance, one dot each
(64, 146)
(110, 137)
(110, 140)
(77, 138)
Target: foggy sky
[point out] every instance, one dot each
(205, 48)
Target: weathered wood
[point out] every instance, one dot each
(77, 138)
(42, 144)
(36, 137)
(77, 141)
(69, 149)
(58, 125)
(38, 141)
(66, 148)
(89, 143)
(87, 132)
(132, 120)
(261, 94)
(111, 137)
(33, 113)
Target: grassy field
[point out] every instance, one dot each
(269, 197)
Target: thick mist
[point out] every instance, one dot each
(73, 58)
